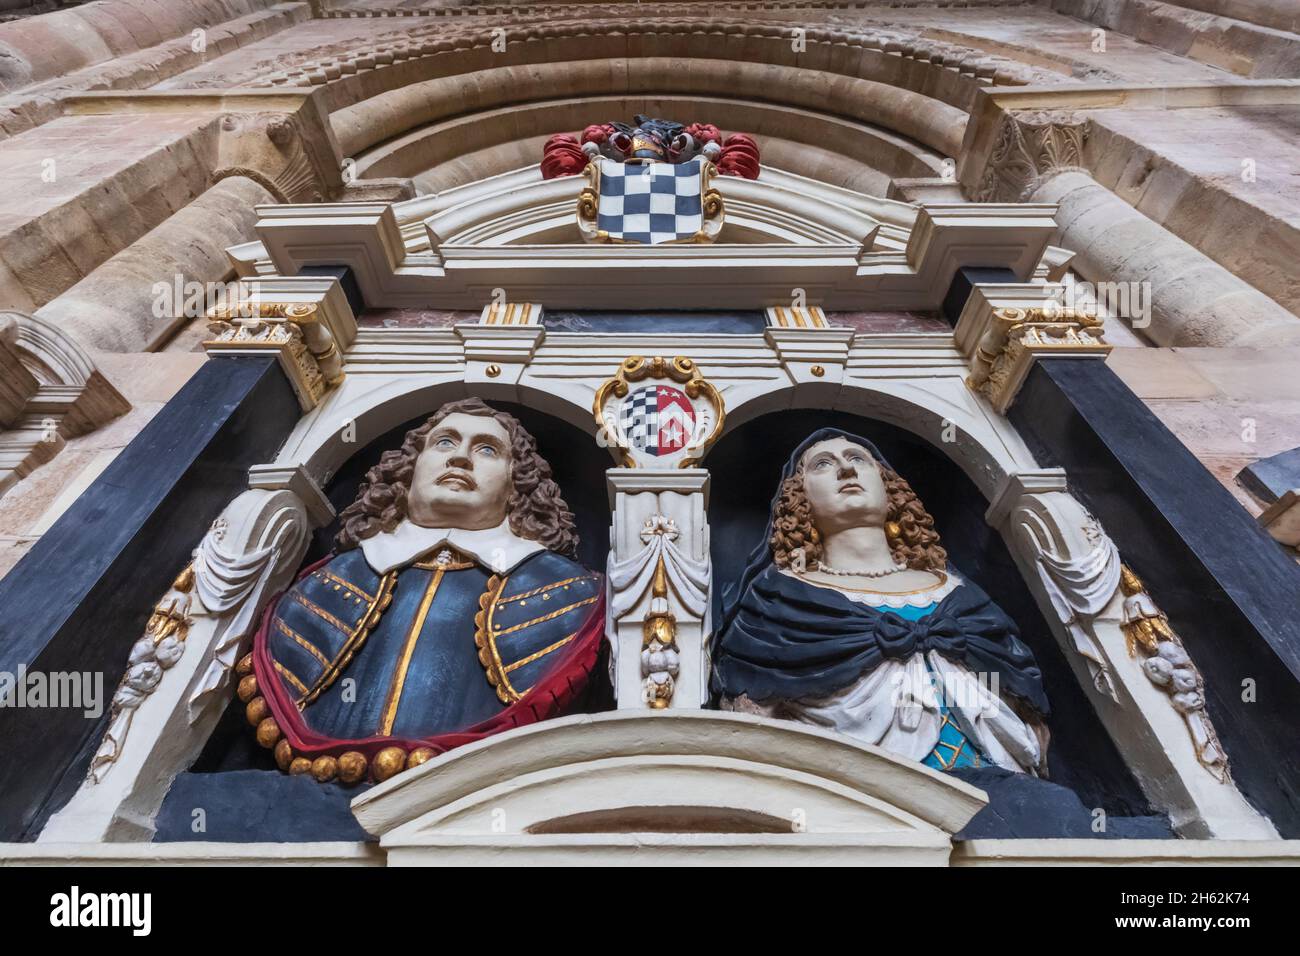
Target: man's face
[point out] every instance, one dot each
(462, 478)
(843, 486)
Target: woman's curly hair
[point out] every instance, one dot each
(916, 544)
(535, 509)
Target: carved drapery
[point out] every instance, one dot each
(659, 567)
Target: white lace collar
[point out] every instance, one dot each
(499, 549)
(922, 598)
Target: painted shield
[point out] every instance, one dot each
(651, 203)
(657, 420)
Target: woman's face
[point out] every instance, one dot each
(843, 486)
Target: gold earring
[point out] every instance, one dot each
(892, 531)
(816, 536)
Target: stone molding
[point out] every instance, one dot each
(584, 775)
(50, 391)
(367, 238)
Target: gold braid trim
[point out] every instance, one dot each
(356, 640)
(487, 647)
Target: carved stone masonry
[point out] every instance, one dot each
(1029, 147)
(308, 353)
(49, 391)
(1016, 336)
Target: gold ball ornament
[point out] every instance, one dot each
(324, 769)
(268, 733)
(387, 763)
(299, 765)
(247, 688)
(245, 665)
(283, 755)
(352, 767)
(257, 711)
(420, 755)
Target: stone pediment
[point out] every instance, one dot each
(670, 787)
(844, 249)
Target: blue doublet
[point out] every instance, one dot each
(425, 649)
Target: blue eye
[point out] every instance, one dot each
(488, 450)
(443, 443)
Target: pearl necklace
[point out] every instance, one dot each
(861, 574)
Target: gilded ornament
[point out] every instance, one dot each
(352, 767)
(247, 688)
(420, 755)
(324, 769)
(682, 370)
(283, 755)
(245, 665)
(268, 733)
(300, 765)
(257, 711)
(387, 763)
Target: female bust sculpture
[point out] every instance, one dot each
(848, 616)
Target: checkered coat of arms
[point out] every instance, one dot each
(649, 203)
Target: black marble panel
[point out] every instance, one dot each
(348, 281)
(81, 597)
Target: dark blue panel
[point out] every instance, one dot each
(665, 321)
(259, 806)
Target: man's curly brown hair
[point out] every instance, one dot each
(916, 545)
(535, 509)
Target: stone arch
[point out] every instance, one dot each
(716, 776)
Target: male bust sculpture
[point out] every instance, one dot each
(850, 617)
(452, 609)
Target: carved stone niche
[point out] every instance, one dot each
(671, 788)
(49, 391)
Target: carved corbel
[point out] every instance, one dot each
(279, 151)
(500, 345)
(1016, 337)
(308, 353)
(1028, 148)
